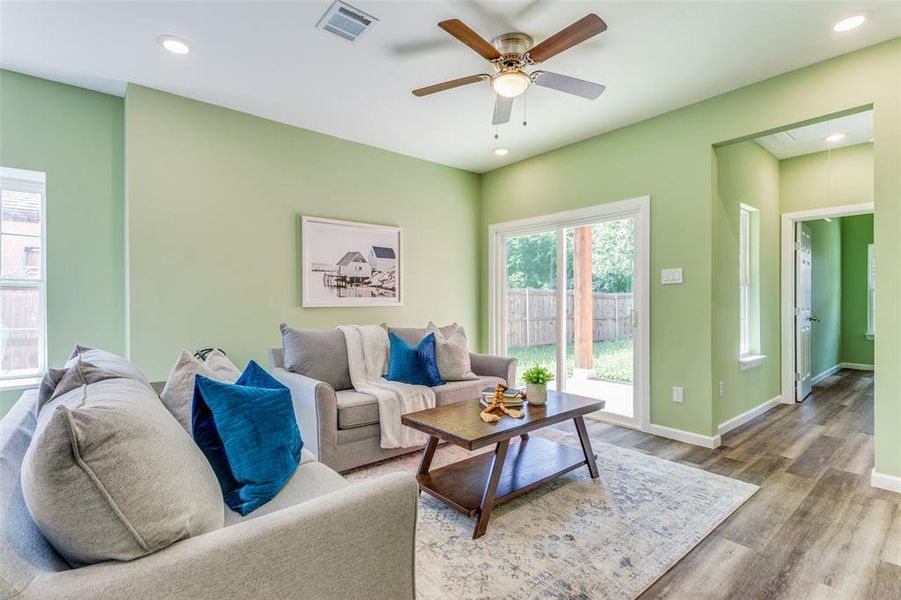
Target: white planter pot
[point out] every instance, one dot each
(536, 393)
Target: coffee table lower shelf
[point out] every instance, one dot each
(527, 465)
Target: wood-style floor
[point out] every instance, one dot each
(815, 529)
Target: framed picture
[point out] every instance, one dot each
(350, 264)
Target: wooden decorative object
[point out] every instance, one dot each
(498, 403)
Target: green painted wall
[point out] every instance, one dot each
(825, 294)
(214, 198)
(670, 158)
(745, 174)
(803, 179)
(857, 234)
(75, 137)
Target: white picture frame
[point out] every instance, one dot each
(346, 263)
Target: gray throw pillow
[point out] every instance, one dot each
(79, 374)
(452, 353)
(49, 382)
(414, 335)
(320, 355)
(178, 393)
(110, 475)
(108, 362)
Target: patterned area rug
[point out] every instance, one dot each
(576, 537)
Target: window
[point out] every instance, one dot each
(748, 287)
(22, 277)
(871, 291)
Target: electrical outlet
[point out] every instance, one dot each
(677, 395)
(722, 389)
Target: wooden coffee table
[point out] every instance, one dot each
(474, 485)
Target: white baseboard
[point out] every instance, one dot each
(827, 373)
(746, 416)
(680, 435)
(885, 482)
(857, 366)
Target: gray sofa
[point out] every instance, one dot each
(320, 538)
(342, 426)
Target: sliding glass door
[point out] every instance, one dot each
(530, 300)
(599, 320)
(567, 294)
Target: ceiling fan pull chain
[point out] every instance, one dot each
(524, 110)
(496, 136)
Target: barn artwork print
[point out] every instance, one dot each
(349, 264)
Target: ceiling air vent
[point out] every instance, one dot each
(345, 21)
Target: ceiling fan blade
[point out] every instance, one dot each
(583, 29)
(503, 106)
(462, 32)
(448, 85)
(570, 85)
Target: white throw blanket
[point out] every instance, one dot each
(367, 357)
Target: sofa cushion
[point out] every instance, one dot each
(249, 434)
(310, 480)
(99, 479)
(178, 393)
(357, 410)
(320, 355)
(108, 362)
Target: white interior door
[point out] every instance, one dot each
(803, 316)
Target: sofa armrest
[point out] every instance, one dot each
(494, 366)
(316, 409)
(357, 542)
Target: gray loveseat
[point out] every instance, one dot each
(320, 538)
(341, 426)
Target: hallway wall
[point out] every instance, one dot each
(857, 234)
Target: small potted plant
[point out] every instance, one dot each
(536, 379)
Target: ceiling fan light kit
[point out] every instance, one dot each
(511, 53)
(510, 84)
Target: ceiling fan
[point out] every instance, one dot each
(511, 53)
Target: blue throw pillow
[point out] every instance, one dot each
(249, 434)
(416, 365)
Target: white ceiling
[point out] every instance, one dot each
(857, 129)
(267, 58)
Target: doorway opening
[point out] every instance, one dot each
(828, 256)
(828, 295)
(570, 292)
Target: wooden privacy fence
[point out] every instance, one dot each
(532, 317)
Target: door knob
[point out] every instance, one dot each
(814, 319)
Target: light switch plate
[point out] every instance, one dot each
(678, 395)
(671, 276)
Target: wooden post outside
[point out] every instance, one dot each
(583, 299)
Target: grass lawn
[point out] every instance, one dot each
(612, 360)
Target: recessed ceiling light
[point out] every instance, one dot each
(835, 137)
(174, 44)
(501, 152)
(849, 23)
